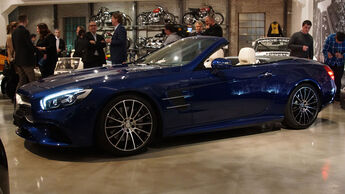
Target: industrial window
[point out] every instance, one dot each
(251, 26)
(70, 26)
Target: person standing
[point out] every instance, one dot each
(171, 35)
(301, 43)
(60, 44)
(24, 52)
(212, 29)
(46, 45)
(334, 51)
(9, 45)
(118, 42)
(199, 27)
(95, 56)
(12, 77)
(275, 30)
(80, 43)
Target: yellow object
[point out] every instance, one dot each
(274, 28)
(2, 62)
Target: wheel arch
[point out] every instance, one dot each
(311, 82)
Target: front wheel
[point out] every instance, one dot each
(127, 125)
(189, 18)
(142, 19)
(302, 108)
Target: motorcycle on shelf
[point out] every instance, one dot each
(103, 18)
(196, 14)
(158, 16)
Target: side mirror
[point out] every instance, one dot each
(221, 63)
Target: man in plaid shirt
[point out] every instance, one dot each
(334, 51)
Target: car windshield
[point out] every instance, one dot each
(179, 53)
(272, 45)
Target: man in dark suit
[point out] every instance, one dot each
(118, 42)
(24, 52)
(60, 44)
(212, 29)
(95, 56)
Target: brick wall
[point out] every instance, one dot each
(274, 11)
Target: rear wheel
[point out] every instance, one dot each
(127, 125)
(219, 18)
(302, 108)
(168, 18)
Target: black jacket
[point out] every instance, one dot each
(93, 60)
(214, 30)
(23, 47)
(50, 43)
(80, 48)
(296, 43)
(62, 47)
(118, 45)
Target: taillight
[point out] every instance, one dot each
(329, 71)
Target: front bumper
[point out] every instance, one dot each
(72, 126)
(42, 133)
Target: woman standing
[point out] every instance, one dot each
(11, 78)
(81, 44)
(47, 56)
(9, 45)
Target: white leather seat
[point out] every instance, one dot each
(246, 56)
(218, 54)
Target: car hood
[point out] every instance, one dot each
(86, 76)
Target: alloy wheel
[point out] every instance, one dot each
(304, 106)
(128, 125)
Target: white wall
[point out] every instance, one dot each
(301, 10)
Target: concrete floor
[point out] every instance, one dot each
(251, 160)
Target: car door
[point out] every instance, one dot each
(236, 93)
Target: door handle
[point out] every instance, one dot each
(265, 75)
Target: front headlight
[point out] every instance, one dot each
(63, 98)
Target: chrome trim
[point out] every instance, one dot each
(172, 98)
(178, 106)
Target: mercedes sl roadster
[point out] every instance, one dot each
(187, 87)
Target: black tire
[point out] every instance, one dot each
(127, 124)
(188, 18)
(4, 83)
(219, 18)
(302, 108)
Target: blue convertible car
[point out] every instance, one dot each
(186, 87)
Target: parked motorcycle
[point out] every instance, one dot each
(196, 14)
(157, 16)
(103, 18)
(155, 42)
